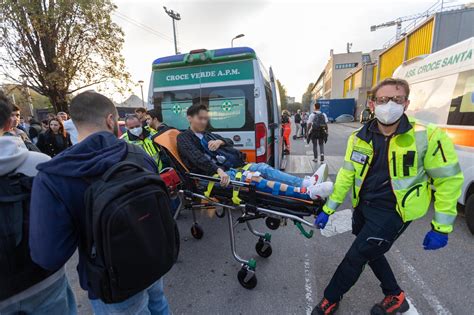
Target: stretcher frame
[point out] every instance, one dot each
(192, 199)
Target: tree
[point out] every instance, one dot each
(282, 92)
(293, 107)
(306, 99)
(20, 97)
(61, 46)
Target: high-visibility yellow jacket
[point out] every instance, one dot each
(435, 162)
(146, 144)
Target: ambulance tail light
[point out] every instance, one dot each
(261, 142)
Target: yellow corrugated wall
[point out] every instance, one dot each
(391, 59)
(357, 79)
(420, 41)
(374, 75)
(347, 85)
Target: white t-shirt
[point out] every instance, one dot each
(311, 117)
(71, 130)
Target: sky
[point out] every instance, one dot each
(293, 37)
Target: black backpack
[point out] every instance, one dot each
(17, 271)
(319, 126)
(132, 239)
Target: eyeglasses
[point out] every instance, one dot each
(399, 99)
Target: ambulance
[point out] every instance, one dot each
(242, 97)
(442, 93)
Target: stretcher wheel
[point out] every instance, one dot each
(196, 231)
(244, 280)
(220, 212)
(265, 253)
(272, 223)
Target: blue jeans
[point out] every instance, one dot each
(269, 173)
(151, 301)
(57, 299)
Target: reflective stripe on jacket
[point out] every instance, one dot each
(147, 145)
(416, 158)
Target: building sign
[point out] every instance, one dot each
(346, 65)
(454, 59)
(229, 71)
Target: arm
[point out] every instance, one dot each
(53, 235)
(441, 164)
(187, 149)
(344, 181)
(226, 141)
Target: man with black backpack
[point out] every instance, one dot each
(25, 287)
(104, 196)
(318, 126)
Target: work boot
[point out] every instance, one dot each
(391, 304)
(325, 308)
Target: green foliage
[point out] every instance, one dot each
(61, 46)
(283, 95)
(306, 100)
(293, 107)
(19, 96)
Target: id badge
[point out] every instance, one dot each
(359, 157)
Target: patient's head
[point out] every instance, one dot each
(198, 117)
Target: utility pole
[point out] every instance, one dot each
(141, 87)
(175, 17)
(28, 95)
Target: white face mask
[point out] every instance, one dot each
(389, 113)
(136, 131)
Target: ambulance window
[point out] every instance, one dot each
(173, 107)
(269, 98)
(227, 108)
(461, 111)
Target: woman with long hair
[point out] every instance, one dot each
(55, 139)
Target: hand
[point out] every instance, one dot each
(213, 145)
(225, 178)
(321, 220)
(435, 240)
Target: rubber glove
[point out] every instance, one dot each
(321, 220)
(435, 240)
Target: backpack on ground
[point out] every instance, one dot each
(132, 238)
(319, 126)
(17, 271)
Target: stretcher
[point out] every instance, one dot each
(200, 192)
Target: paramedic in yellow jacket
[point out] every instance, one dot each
(389, 166)
(142, 136)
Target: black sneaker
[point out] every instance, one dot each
(325, 308)
(391, 304)
(322, 157)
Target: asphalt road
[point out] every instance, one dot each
(292, 280)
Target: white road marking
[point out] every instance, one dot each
(424, 289)
(339, 222)
(308, 286)
(412, 310)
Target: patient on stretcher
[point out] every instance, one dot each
(210, 154)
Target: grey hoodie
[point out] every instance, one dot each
(14, 156)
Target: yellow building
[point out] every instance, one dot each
(438, 31)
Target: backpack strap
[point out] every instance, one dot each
(134, 154)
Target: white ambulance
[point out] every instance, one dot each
(442, 92)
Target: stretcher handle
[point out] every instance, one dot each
(216, 179)
(303, 231)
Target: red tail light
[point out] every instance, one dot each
(261, 142)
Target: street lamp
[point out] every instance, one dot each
(232, 41)
(140, 82)
(175, 17)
